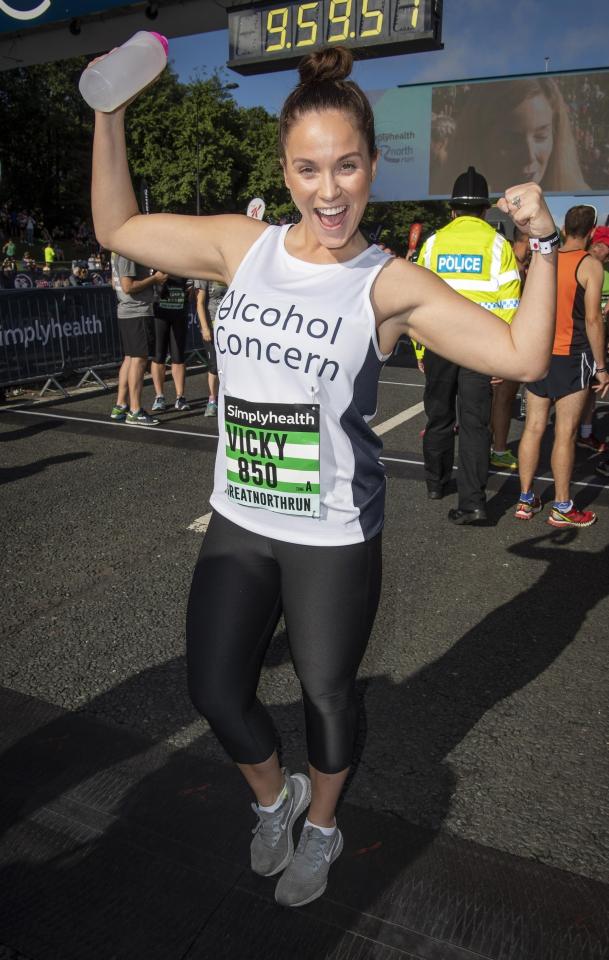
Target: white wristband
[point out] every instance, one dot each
(545, 244)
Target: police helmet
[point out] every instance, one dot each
(470, 190)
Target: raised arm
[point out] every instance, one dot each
(210, 247)
(409, 299)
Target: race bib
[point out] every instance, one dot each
(272, 454)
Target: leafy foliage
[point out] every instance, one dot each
(395, 219)
(173, 130)
(46, 161)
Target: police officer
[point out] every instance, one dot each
(478, 262)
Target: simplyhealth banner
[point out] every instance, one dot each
(552, 129)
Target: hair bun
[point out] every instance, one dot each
(331, 63)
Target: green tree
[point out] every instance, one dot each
(46, 150)
(170, 127)
(395, 219)
(262, 173)
(46, 160)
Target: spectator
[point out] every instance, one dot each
(7, 276)
(49, 254)
(79, 275)
(28, 262)
(578, 354)
(209, 295)
(30, 225)
(599, 249)
(170, 328)
(22, 221)
(134, 288)
(10, 248)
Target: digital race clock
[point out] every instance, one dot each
(272, 36)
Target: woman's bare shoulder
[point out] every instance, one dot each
(399, 287)
(238, 234)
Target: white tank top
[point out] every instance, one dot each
(299, 364)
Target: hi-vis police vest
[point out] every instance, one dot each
(299, 362)
(476, 261)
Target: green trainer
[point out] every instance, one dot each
(119, 413)
(504, 461)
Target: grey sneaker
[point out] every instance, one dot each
(159, 405)
(307, 876)
(211, 410)
(273, 846)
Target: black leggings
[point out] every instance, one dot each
(329, 597)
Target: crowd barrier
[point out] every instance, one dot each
(46, 334)
(57, 276)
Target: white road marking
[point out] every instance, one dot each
(504, 473)
(399, 418)
(213, 436)
(201, 524)
(110, 423)
(398, 383)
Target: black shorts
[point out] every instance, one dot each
(137, 336)
(170, 337)
(566, 375)
(210, 352)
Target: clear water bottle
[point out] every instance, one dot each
(121, 74)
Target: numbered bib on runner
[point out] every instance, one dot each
(272, 454)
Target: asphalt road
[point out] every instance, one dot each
(485, 680)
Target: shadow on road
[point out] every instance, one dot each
(11, 474)
(126, 888)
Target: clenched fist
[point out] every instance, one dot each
(526, 205)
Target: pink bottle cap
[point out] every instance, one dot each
(162, 40)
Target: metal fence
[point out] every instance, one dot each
(45, 334)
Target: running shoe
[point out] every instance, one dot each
(159, 405)
(141, 418)
(273, 846)
(603, 468)
(119, 412)
(181, 404)
(571, 518)
(306, 878)
(504, 461)
(526, 511)
(592, 443)
(211, 410)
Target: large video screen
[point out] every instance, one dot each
(549, 128)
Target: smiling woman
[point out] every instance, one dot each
(345, 168)
(299, 488)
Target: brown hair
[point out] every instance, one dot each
(324, 86)
(580, 220)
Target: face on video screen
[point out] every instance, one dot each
(552, 130)
(524, 143)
